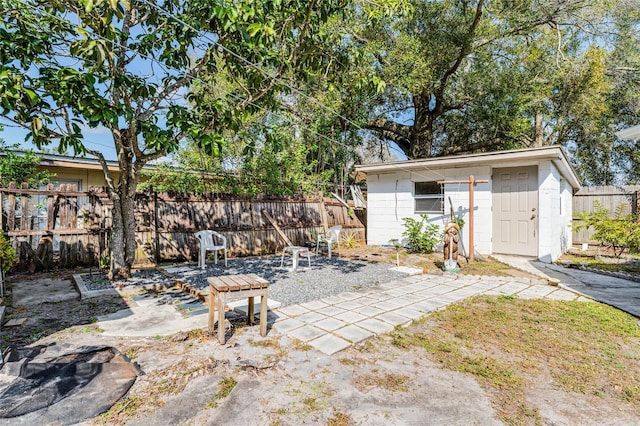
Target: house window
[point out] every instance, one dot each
(428, 197)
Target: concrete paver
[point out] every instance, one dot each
(330, 324)
(350, 317)
(375, 326)
(353, 333)
(311, 316)
(307, 332)
(329, 344)
(394, 318)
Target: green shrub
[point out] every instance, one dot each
(620, 232)
(422, 236)
(7, 253)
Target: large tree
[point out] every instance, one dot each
(127, 66)
(465, 76)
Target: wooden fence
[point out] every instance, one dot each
(610, 197)
(65, 227)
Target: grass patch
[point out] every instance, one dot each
(347, 361)
(274, 344)
(505, 342)
(388, 381)
(225, 387)
(123, 409)
(340, 419)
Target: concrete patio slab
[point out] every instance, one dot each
(329, 344)
(311, 317)
(394, 319)
(293, 310)
(350, 317)
(375, 326)
(306, 333)
(368, 311)
(316, 305)
(412, 314)
(287, 325)
(330, 324)
(333, 311)
(242, 306)
(353, 333)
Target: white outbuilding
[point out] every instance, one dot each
(521, 200)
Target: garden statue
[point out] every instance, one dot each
(451, 240)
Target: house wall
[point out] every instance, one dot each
(88, 177)
(555, 213)
(390, 199)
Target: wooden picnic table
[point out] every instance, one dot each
(232, 287)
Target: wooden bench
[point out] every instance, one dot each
(232, 287)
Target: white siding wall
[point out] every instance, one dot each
(566, 217)
(390, 199)
(555, 211)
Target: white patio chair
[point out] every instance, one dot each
(211, 241)
(329, 237)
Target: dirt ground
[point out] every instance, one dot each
(190, 379)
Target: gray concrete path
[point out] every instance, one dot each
(334, 323)
(618, 292)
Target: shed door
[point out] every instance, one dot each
(515, 211)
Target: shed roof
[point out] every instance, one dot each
(554, 153)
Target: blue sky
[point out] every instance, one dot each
(98, 139)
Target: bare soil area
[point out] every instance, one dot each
(407, 377)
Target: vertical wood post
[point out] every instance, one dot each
(156, 238)
(51, 219)
(11, 211)
(24, 200)
(472, 182)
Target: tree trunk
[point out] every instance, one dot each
(123, 237)
(421, 145)
(538, 142)
(118, 267)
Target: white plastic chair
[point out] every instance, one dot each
(328, 238)
(211, 241)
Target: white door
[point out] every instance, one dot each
(515, 211)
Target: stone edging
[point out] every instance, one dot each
(85, 293)
(621, 275)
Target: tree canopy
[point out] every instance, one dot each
(450, 77)
(127, 66)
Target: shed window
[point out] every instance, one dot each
(428, 197)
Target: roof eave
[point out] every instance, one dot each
(554, 153)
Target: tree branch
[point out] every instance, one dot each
(465, 49)
(390, 130)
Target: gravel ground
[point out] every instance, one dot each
(325, 277)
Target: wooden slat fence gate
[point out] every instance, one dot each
(610, 197)
(64, 227)
(52, 226)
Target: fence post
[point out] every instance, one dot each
(24, 201)
(156, 239)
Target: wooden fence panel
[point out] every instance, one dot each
(612, 198)
(78, 224)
